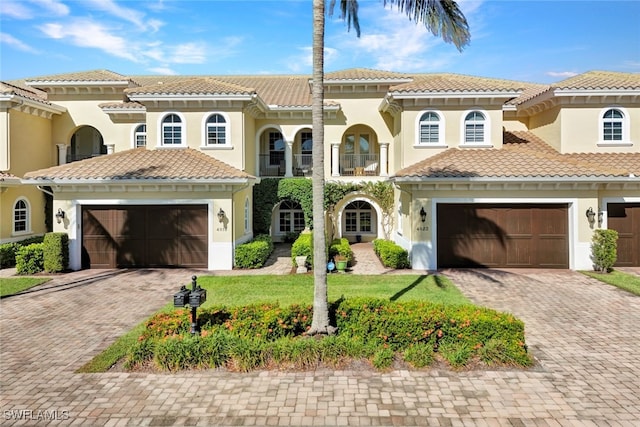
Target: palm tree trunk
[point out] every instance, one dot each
(320, 321)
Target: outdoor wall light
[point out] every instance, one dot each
(600, 218)
(220, 215)
(591, 216)
(423, 214)
(59, 215)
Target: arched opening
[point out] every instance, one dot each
(359, 152)
(86, 142)
(271, 158)
(302, 153)
(359, 221)
(288, 221)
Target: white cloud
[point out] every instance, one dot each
(9, 40)
(12, 9)
(163, 70)
(54, 7)
(86, 33)
(561, 74)
(303, 62)
(188, 53)
(113, 8)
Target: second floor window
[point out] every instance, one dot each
(140, 136)
(474, 128)
(172, 130)
(429, 132)
(612, 125)
(216, 130)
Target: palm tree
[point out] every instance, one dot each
(443, 18)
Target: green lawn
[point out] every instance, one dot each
(234, 291)
(14, 285)
(628, 282)
(298, 289)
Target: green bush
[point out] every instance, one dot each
(341, 247)
(8, 251)
(383, 358)
(30, 259)
(303, 246)
(604, 250)
(419, 355)
(390, 254)
(255, 253)
(56, 252)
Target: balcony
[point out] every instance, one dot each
(359, 165)
(272, 164)
(302, 164)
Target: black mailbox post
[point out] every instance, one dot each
(193, 298)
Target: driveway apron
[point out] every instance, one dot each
(583, 334)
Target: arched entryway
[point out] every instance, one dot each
(358, 218)
(86, 142)
(287, 221)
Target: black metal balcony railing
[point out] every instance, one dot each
(272, 164)
(302, 164)
(359, 165)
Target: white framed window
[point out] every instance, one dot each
(216, 130)
(21, 217)
(358, 218)
(247, 221)
(290, 217)
(172, 131)
(613, 126)
(430, 129)
(140, 136)
(476, 129)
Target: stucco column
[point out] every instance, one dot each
(288, 159)
(62, 153)
(384, 156)
(335, 159)
(110, 148)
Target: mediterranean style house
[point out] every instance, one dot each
(160, 170)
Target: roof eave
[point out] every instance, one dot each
(587, 179)
(454, 94)
(184, 97)
(23, 100)
(139, 181)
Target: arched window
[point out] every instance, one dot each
(246, 215)
(358, 217)
(172, 130)
(140, 136)
(612, 125)
(474, 128)
(216, 130)
(21, 217)
(291, 217)
(429, 129)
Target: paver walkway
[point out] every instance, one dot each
(584, 334)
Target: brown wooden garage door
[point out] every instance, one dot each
(625, 219)
(144, 236)
(508, 236)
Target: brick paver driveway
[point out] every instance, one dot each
(584, 334)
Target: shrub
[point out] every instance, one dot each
(604, 250)
(390, 254)
(30, 259)
(255, 253)
(56, 252)
(8, 254)
(341, 247)
(456, 353)
(303, 246)
(419, 355)
(383, 358)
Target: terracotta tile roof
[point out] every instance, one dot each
(122, 106)
(601, 80)
(141, 164)
(193, 86)
(448, 82)
(25, 92)
(81, 76)
(365, 74)
(523, 156)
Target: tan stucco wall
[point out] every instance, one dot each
(546, 126)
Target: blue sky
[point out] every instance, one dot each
(536, 41)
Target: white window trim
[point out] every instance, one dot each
(133, 134)
(27, 229)
(626, 139)
(247, 215)
(183, 142)
(203, 126)
(441, 128)
(487, 129)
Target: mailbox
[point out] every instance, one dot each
(182, 297)
(197, 297)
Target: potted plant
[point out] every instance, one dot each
(341, 263)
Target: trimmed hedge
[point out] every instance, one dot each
(390, 254)
(255, 253)
(30, 259)
(56, 252)
(8, 251)
(303, 246)
(266, 335)
(341, 247)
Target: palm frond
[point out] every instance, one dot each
(348, 12)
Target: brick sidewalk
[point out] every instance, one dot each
(583, 333)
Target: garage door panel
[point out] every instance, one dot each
(499, 235)
(145, 236)
(625, 219)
